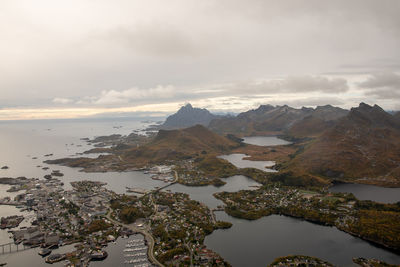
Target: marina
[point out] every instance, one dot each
(135, 252)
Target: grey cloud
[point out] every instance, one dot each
(296, 84)
(382, 85)
(83, 48)
(155, 39)
(231, 92)
(307, 102)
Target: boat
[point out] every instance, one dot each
(98, 255)
(55, 258)
(44, 252)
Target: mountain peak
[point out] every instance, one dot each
(187, 106)
(364, 105)
(188, 116)
(372, 115)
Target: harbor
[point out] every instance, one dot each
(135, 252)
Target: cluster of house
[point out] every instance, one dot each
(178, 214)
(61, 216)
(289, 198)
(303, 261)
(162, 173)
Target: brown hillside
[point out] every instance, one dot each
(180, 144)
(364, 146)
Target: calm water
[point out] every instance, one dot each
(265, 141)
(247, 243)
(21, 141)
(239, 162)
(204, 194)
(369, 192)
(258, 243)
(30, 257)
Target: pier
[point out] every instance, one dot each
(12, 247)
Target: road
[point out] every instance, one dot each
(147, 235)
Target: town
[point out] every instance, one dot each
(174, 225)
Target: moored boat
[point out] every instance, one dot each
(44, 252)
(55, 258)
(98, 255)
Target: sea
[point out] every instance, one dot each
(26, 144)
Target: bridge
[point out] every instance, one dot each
(12, 247)
(163, 187)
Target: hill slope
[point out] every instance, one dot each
(364, 146)
(180, 144)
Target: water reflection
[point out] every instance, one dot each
(239, 162)
(259, 242)
(369, 192)
(265, 141)
(204, 194)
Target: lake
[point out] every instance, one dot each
(204, 194)
(265, 141)
(239, 162)
(369, 192)
(258, 243)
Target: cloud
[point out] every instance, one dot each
(154, 39)
(81, 48)
(295, 84)
(385, 85)
(133, 94)
(59, 100)
(246, 90)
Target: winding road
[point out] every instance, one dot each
(147, 235)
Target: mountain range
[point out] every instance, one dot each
(357, 145)
(266, 119)
(360, 145)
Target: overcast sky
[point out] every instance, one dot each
(84, 57)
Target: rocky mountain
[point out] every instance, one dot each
(264, 119)
(269, 119)
(321, 119)
(363, 146)
(188, 116)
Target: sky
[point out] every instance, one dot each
(80, 58)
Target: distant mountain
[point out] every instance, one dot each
(321, 119)
(268, 119)
(188, 116)
(364, 146)
(181, 144)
